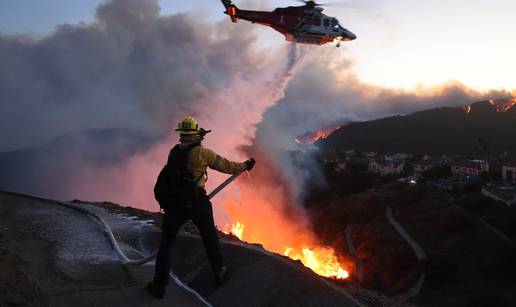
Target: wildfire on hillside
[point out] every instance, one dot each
(503, 105)
(236, 229)
(321, 260)
(262, 208)
(312, 137)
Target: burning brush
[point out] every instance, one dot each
(321, 260)
(312, 137)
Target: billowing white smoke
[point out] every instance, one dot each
(135, 69)
(321, 95)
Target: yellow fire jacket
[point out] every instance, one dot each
(201, 158)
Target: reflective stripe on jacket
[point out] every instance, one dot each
(201, 158)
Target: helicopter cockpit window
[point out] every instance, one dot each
(326, 22)
(334, 23)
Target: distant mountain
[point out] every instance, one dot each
(448, 130)
(42, 170)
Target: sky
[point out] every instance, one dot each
(136, 71)
(401, 43)
(138, 67)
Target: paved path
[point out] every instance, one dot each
(358, 272)
(418, 250)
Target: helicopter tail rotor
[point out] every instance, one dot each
(231, 10)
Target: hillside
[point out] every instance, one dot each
(40, 170)
(448, 253)
(448, 130)
(54, 255)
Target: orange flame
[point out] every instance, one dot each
(467, 109)
(503, 105)
(237, 229)
(312, 137)
(320, 260)
(265, 203)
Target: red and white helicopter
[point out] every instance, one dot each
(303, 24)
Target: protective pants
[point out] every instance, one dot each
(201, 213)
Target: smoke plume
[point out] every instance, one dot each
(133, 69)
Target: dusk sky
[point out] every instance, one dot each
(401, 43)
(92, 90)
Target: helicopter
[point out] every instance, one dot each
(302, 24)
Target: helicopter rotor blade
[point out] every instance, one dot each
(346, 4)
(350, 4)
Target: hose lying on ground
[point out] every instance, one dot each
(114, 243)
(125, 259)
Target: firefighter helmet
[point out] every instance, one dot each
(188, 125)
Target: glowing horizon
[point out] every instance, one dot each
(401, 44)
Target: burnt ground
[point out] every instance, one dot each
(468, 264)
(53, 255)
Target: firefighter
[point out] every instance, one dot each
(197, 159)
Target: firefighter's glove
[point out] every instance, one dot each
(250, 164)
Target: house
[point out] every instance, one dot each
(509, 173)
(370, 154)
(372, 166)
(397, 157)
(384, 167)
(484, 165)
(467, 169)
(341, 166)
(350, 153)
(424, 165)
(427, 163)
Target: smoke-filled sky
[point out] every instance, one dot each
(141, 65)
(424, 42)
(57, 79)
(114, 77)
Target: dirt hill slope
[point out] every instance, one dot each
(66, 260)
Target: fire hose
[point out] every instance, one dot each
(107, 229)
(116, 246)
(114, 243)
(153, 254)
